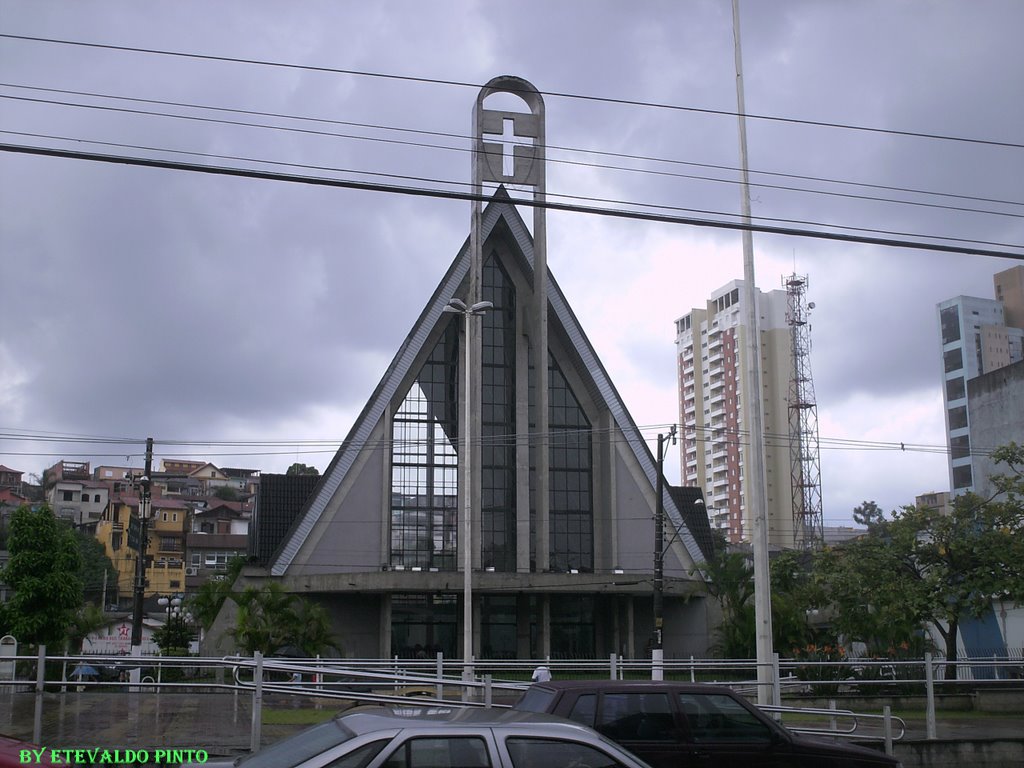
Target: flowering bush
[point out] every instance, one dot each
(825, 662)
(885, 666)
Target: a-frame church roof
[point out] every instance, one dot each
(500, 212)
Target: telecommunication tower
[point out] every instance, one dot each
(805, 457)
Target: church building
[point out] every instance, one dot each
(560, 485)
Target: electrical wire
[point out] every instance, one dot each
(548, 147)
(554, 438)
(478, 86)
(627, 204)
(526, 202)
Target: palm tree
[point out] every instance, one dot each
(207, 601)
(271, 621)
(266, 620)
(314, 636)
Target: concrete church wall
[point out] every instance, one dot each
(355, 621)
(352, 539)
(634, 521)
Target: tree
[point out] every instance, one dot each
(922, 567)
(271, 620)
(730, 580)
(226, 493)
(302, 469)
(96, 570)
(873, 596)
(313, 634)
(868, 514)
(43, 575)
(207, 601)
(1010, 485)
(86, 620)
(795, 593)
(266, 621)
(964, 560)
(173, 637)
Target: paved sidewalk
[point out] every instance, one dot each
(220, 723)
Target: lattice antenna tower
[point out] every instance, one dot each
(805, 456)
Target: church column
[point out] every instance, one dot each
(527, 168)
(385, 626)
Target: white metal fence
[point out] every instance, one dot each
(486, 683)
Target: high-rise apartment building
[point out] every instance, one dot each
(979, 336)
(713, 360)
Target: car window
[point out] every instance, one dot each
(547, 753)
(536, 700)
(440, 752)
(636, 716)
(717, 717)
(359, 758)
(296, 749)
(584, 709)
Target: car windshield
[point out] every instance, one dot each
(294, 750)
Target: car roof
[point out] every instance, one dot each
(373, 719)
(621, 685)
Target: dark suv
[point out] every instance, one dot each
(671, 725)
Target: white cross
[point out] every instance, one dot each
(506, 139)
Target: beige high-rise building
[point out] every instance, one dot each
(713, 359)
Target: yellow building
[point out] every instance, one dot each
(165, 564)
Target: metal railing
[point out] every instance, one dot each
(497, 683)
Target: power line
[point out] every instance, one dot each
(553, 437)
(547, 147)
(564, 196)
(455, 195)
(556, 94)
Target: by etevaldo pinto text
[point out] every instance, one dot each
(158, 758)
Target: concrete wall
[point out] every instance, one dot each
(982, 753)
(995, 417)
(349, 536)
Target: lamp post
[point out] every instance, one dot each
(173, 606)
(458, 306)
(657, 652)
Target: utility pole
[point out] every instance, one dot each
(140, 563)
(758, 495)
(658, 651)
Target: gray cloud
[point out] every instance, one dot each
(153, 302)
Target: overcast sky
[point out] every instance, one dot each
(187, 307)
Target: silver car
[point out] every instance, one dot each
(440, 737)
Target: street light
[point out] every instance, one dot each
(657, 652)
(457, 306)
(173, 606)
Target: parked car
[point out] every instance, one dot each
(676, 724)
(440, 737)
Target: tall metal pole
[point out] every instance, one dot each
(466, 460)
(467, 519)
(658, 652)
(758, 476)
(140, 563)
